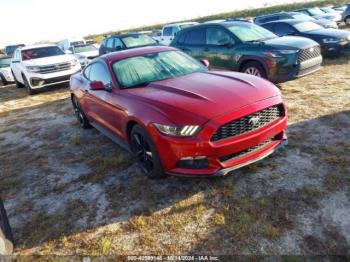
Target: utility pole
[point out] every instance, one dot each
(6, 238)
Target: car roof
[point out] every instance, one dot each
(182, 23)
(288, 21)
(125, 35)
(138, 51)
(36, 46)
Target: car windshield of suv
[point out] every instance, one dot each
(5, 62)
(328, 10)
(251, 33)
(303, 17)
(131, 41)
(41, 52)
(144, 69)
(84, 48)
(307, 26)
(316, 11)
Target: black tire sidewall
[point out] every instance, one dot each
(256, 65)
(157, 171)
(85, 122)
(27, 85)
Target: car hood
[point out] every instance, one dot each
(290, 42)
(337, 33)
(199, 97)
(5, 69)
(92, 54)
(49, 60)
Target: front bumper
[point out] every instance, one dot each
(37, 80)
(172, 150)
(335, 48)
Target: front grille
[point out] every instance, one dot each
(55, 68)
(246, 151)
(249, 123)
(309, 53)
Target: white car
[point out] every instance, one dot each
(84, 53)
(170, 31)
(6, 76)
(39, 66)
(65, 44)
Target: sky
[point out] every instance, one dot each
(30, 21)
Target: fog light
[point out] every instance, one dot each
(189, 162)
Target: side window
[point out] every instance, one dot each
(217, 36)
(181, 39)
(109, 43)
(98, 72)
(270, 27)
(282, 29)
(195, 37)
(118, 44)
(168, 31)
(87, 71)
(104, 42)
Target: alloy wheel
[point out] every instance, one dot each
(252, 71)
(143, 152)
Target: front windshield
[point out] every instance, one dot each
(84, 48)
(131, 41)
(303, 17)
(250, 32)
(327, 10)
(41, 52)
(5, 62)
(307, 26)
(316, 11)
(144, 69)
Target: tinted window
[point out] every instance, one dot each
(138, 40)
(307, 26)
(41, 52)
(270, 27)
(87, 72)
(250, 32)
(168, 31)
(283, 29)
(109, 43)
(118, 44)
(195, 37)
(216, 36)
(181, 38)
(98, 72)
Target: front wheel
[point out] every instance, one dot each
(18, 84)
(27, 85)
(79, 113)
(347, 20)
(255, 69)
(146, 153)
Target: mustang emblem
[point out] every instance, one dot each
(254, 120)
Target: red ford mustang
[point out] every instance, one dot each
(175, 115)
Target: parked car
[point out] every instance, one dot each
(251, 49)
(183, 119)
(11, 48)
(170, 31)
(68, 43)
(6, 76)
(39, 66)
(346, 15)
(6, 237)
(84, 53)
(317, 13)
(125, 41)
(331, 40)
(326, 23)
(330, 10)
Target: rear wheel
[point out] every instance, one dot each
(79, 113)
(27, 85)
(347, 20)
(146, 153)
(254, 68)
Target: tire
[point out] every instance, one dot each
(79, 113)
(6, 237)
(27, 85)
(146, 153)
(18, 84)
(3, 80)
(254, 68)
(347, 20)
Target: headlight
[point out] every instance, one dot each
(33, 69)
(330, 40)
(74, 62)
(279, 53)
(182, 131)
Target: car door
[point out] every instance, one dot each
(219, 48)
(16, 65)
(192, 42)
(103, 107)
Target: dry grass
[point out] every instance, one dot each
(72, 191)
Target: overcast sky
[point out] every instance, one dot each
(29, 21)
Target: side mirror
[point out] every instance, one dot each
(205, 62)
(97, 85)
(225, 42)
(68, 52)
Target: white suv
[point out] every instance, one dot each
(5, 70)
(38, 66)
(170, 31)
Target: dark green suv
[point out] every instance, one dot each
(251, 49)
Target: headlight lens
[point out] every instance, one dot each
(33, 69)
(74, 62)
(279, 53)
(330, 40)
(181, 131)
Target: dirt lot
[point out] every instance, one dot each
(73, 191)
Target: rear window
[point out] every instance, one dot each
(307, 26)
(138, 40)
(195, 37)
(41, 52)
